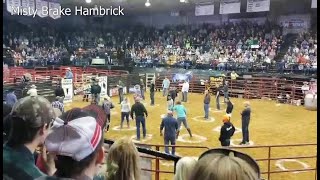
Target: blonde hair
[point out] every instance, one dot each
(123, 161)
(221, 167)
(184, 168)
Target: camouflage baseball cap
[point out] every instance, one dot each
(37, 110)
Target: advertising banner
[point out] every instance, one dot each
(204, 10)
(67, 87)
(103, 83)
(258, 5)
(229, 6)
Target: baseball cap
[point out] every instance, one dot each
(34, 110)
(97, 112)
(76, 139)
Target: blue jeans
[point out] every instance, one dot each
(142, 93)
(124, 115)
(164, 91)
(206, 111)
(172, 141)
(226, 96)
(142, 120)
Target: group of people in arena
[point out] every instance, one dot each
(43, 141)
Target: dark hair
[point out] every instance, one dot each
(178, 102)
(28, 116)
(66, 166)
(6, 121)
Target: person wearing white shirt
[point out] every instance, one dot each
(33, 91)
(185, 90)
(125, 111)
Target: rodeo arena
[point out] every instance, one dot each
(160, 89)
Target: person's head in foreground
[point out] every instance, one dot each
(30, 121)
(225, 164)
(184, 168)
(123, 161)
(77, 141)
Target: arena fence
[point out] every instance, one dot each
(265, 173)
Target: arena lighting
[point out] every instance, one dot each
(147, 4)
(88, 1)
(182, 1)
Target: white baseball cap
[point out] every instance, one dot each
(76, 139)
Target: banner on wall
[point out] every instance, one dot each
(204, 10)
(28, 4)
(229, 6)
(12, 6)
(103, 83)
(39, 5)
(54, 14)
(216, 81)
(258, 5)
(314, 4)
(294, 23)
(67, 87)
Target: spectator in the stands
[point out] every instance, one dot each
(31, 120)
(77, 142)
(69, 74)
(11, 98)
(32, 91)
(225, 164)
(234, 75)
(184, 168)
(123, 161)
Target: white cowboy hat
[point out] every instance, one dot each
(33, 86)
(68, 68)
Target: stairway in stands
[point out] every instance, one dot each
(288, 41)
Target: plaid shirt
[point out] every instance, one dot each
(19, 163)
(58, 105)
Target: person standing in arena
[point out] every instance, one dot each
(152, 92)
(140, 113)
(218, 98)
(170, 126)
(69, 74)
(95, 92)
(142, 88)
(185, 90)
(173, 93)
(181, 117)
(246, 113)
(229, 107)
(33, 91)
(206, 103)
(165, 86)
(170, 103)
(107, 106)
(125, 111)
(225, 91)
(59, 90)
(227, 131)
(120, 91)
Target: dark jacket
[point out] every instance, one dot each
(207, 99)
(138, 109)
(173, 93)
(95, 89)
(59, 92)
(245, 115)
(170, 125)
(229, 107)
(152, 87)
(227, 131)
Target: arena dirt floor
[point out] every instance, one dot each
(271, 124)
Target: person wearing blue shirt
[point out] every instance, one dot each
(181, 117)
(170, 126)
(69, 74)
(11, 98)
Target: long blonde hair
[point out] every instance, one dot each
(123, 161)
(184, 168)
(222, 167)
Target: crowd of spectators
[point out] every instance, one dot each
(42, 144)
(302, 55)
(221, 47)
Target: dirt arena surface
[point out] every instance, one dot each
(271, 124)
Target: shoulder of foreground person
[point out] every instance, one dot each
(59, 178)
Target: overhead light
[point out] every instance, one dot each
(88, 1)
(147, 4)
(182, 1)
